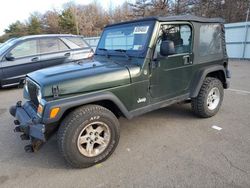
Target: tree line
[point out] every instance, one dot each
(89, 20)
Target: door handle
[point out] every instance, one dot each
(187, 60)
(67, 54)
(35, 59)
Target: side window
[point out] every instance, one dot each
(78, 41)
(210, 39)
(181, 35)
(52, 45)
(27, 48)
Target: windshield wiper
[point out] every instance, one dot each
(123, 52)
(104, 49)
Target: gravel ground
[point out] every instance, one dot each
(169, 147)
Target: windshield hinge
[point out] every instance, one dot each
(55, 91)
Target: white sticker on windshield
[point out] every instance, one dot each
(141, 30)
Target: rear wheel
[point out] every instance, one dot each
(88, 136)
(209, 99)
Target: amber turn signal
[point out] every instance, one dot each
(54, 112)
(40, 109)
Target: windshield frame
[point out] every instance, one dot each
(133, 53)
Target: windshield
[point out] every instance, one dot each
(5, 46)
(131, 38)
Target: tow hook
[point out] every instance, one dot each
(18, 129)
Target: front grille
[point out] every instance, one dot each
(32, 89)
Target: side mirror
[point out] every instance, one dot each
(167, 48)
(9, 57)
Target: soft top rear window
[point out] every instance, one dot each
(210, 41)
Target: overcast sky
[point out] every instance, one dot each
(12, 10)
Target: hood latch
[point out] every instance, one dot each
(55, 91)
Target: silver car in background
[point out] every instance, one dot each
(7, 41)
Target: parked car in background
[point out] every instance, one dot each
(7, 41)
(29, 53)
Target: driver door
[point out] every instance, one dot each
(171, 75)
(25, 59)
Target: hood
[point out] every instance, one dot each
(82, 77)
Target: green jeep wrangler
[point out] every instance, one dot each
(139, 66)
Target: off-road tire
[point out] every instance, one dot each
(199, 104)
(71, 128)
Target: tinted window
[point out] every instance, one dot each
(78, 41)
(24, 49)
(181, 35)
(52, 45)
(210, 39)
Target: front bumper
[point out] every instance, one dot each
(28, 123)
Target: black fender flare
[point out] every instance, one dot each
(75, 101)
(200, 76)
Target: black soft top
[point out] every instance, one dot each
(175, 18)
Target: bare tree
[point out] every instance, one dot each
(141, 8)
(121, 13)
(50, 22)
(92, 18)
(160, 8)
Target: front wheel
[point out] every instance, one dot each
(209, 99)
(88, 136)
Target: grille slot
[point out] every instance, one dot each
(32, 89)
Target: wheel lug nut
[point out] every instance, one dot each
(96, 139)
(90, 133)
(96, 133)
